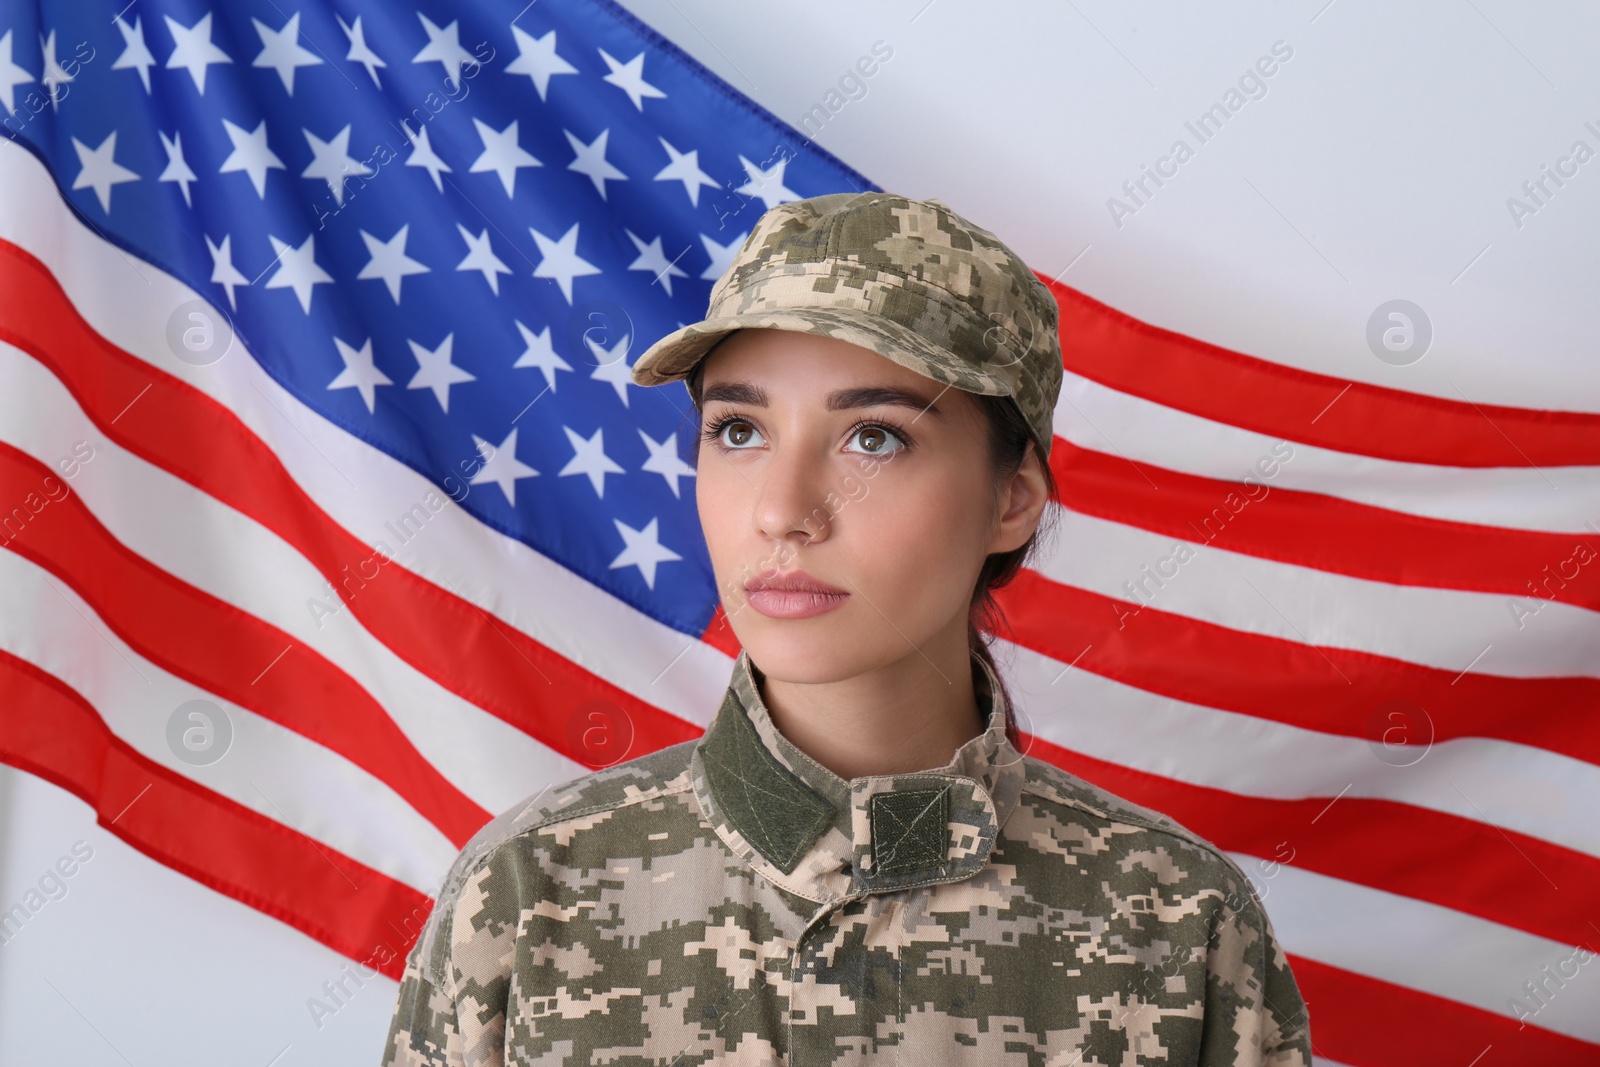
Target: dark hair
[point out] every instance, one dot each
(1009, 437)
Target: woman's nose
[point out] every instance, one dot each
(792, 493)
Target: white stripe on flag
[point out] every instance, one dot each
(1426, 947)
(1098, 417)
(1517, 787)
(1441, 628)
(267, 768)
(192, 536)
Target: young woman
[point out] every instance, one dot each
(854, 864)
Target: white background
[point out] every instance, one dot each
(1377, 166)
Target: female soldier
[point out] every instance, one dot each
(854, 863)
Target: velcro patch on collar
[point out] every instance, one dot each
(910, 829)
(767, 802)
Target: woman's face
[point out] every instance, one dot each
(808, 462)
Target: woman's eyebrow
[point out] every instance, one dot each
(839, 400)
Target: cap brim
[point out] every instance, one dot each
(676, 354)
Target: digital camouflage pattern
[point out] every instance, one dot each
(730, 900)
(908, 279)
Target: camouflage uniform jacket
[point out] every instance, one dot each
(730, 900)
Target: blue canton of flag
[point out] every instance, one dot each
(447, 228)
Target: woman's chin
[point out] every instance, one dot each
(805, 651)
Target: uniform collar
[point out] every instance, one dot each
(812, 832)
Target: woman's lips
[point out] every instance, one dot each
(793, 604)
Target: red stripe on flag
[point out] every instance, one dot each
(1504, 876)
(51, 731)
(1326, 532)
(1333, 690)
(215, 646)
(1367, 1022)
(1104, 345)
(179, 428)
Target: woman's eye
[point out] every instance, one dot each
(877, 440)
(736, 433)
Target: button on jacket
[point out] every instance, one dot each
(730, 900)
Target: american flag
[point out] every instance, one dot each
(334, 524)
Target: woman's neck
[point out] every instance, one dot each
(911, 715)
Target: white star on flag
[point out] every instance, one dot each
(665, 461)
(436, 372)
(643, 550)
(223, 272)
(481, 257)
(444, 48)
(177, 169)
(360, 373)
(721, 255)
(540, 353)
(590, 458)
(135, 53)
(297, 269)
(331, 161)
(653, 259)
(100, 170)
(501, 153)
(502, 466)
(767, 184)
(629, 77)
(423, 155)
(194, 50)
(11, 75)
(612, 364)
(359, 51)
(54, 76)
(561, 260)
(281, 50)
(685, 168)
(389, 260)
(591, 161)
(537, 59)
(251, 155)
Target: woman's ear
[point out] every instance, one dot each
(1022, 503)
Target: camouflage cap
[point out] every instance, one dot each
(908, 279)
